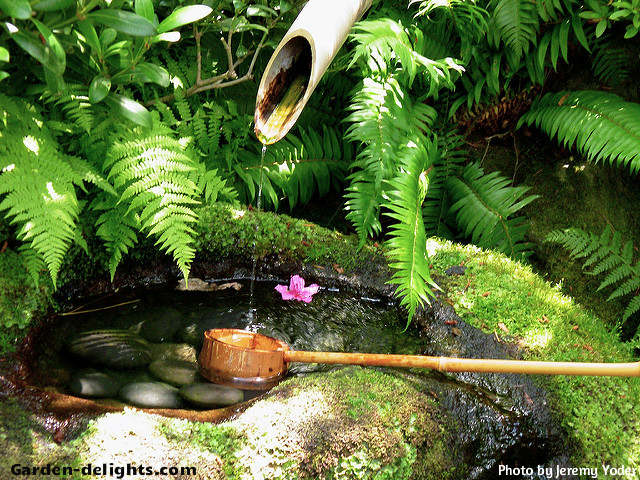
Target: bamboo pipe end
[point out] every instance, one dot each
(293, 60)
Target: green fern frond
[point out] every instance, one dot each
(76, 106)
(610, 63)
(383, 119)
(484, 205)
(407, 240)
(601, 125)
(609, 256)
(37, 184)
(152, 175)
(516, 22)
(117, 227)
(447, 163)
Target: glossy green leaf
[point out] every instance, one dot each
(144, 8)
(3, 75)
(4, 54)
(91, 36)
(130, 109)
(578, 30)
(261, 11)
(154, 73)
(107, 36)
(52, 5)
(166, 37)
(99, 88)
(285, 6)
(57, 58)
(19, 9)
(32, 46)
(125, 22)
(182, 16)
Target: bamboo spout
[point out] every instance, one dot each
(299, 62)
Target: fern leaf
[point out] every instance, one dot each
(609, 256)
(383, 119)
(37, 185)
(601, 125)
(517, 24)
(152, 175)
(407, 242)
(117, 228)
(484, 203)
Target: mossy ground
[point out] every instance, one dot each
(346, 424)
(496, 294)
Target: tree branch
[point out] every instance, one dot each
(227, 79)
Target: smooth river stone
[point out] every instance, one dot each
(209, 395)
(94, 384)
(112, 348)
(175, 372)
(173, 351)
(161, 324)
(193, 332)
(151, 395)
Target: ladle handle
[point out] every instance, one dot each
(451, 364)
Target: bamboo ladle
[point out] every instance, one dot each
(256, 362)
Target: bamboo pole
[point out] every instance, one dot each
(320, 29)
(450, 364)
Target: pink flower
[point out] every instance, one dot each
(297, 290)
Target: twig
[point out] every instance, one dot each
(227, 47)
(197, 35)
(227, 79)
(517, 153)
(76, 312)
(488, 139)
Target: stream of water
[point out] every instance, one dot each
(252, 313)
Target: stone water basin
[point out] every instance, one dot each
(145, 354)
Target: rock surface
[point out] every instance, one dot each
(175, 372)
(151, 395)
(112, 348)
(161, 325)
(173, 351)
(94, 384)
(209, 395)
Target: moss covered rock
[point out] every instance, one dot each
(348, 423)
(601, 415)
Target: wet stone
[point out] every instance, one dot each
(173, 351)
(151, 395)
(175, 372)
(94, 385)
(112, 348)
(161, 325)
(209, 395)
(193, 332)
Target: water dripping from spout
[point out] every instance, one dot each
(254, 325)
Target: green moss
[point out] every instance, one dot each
(21, 301)
(496, 294)
(225, 232)
(222, 440)
(573, 194)
(23, 441)
(349, 423)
